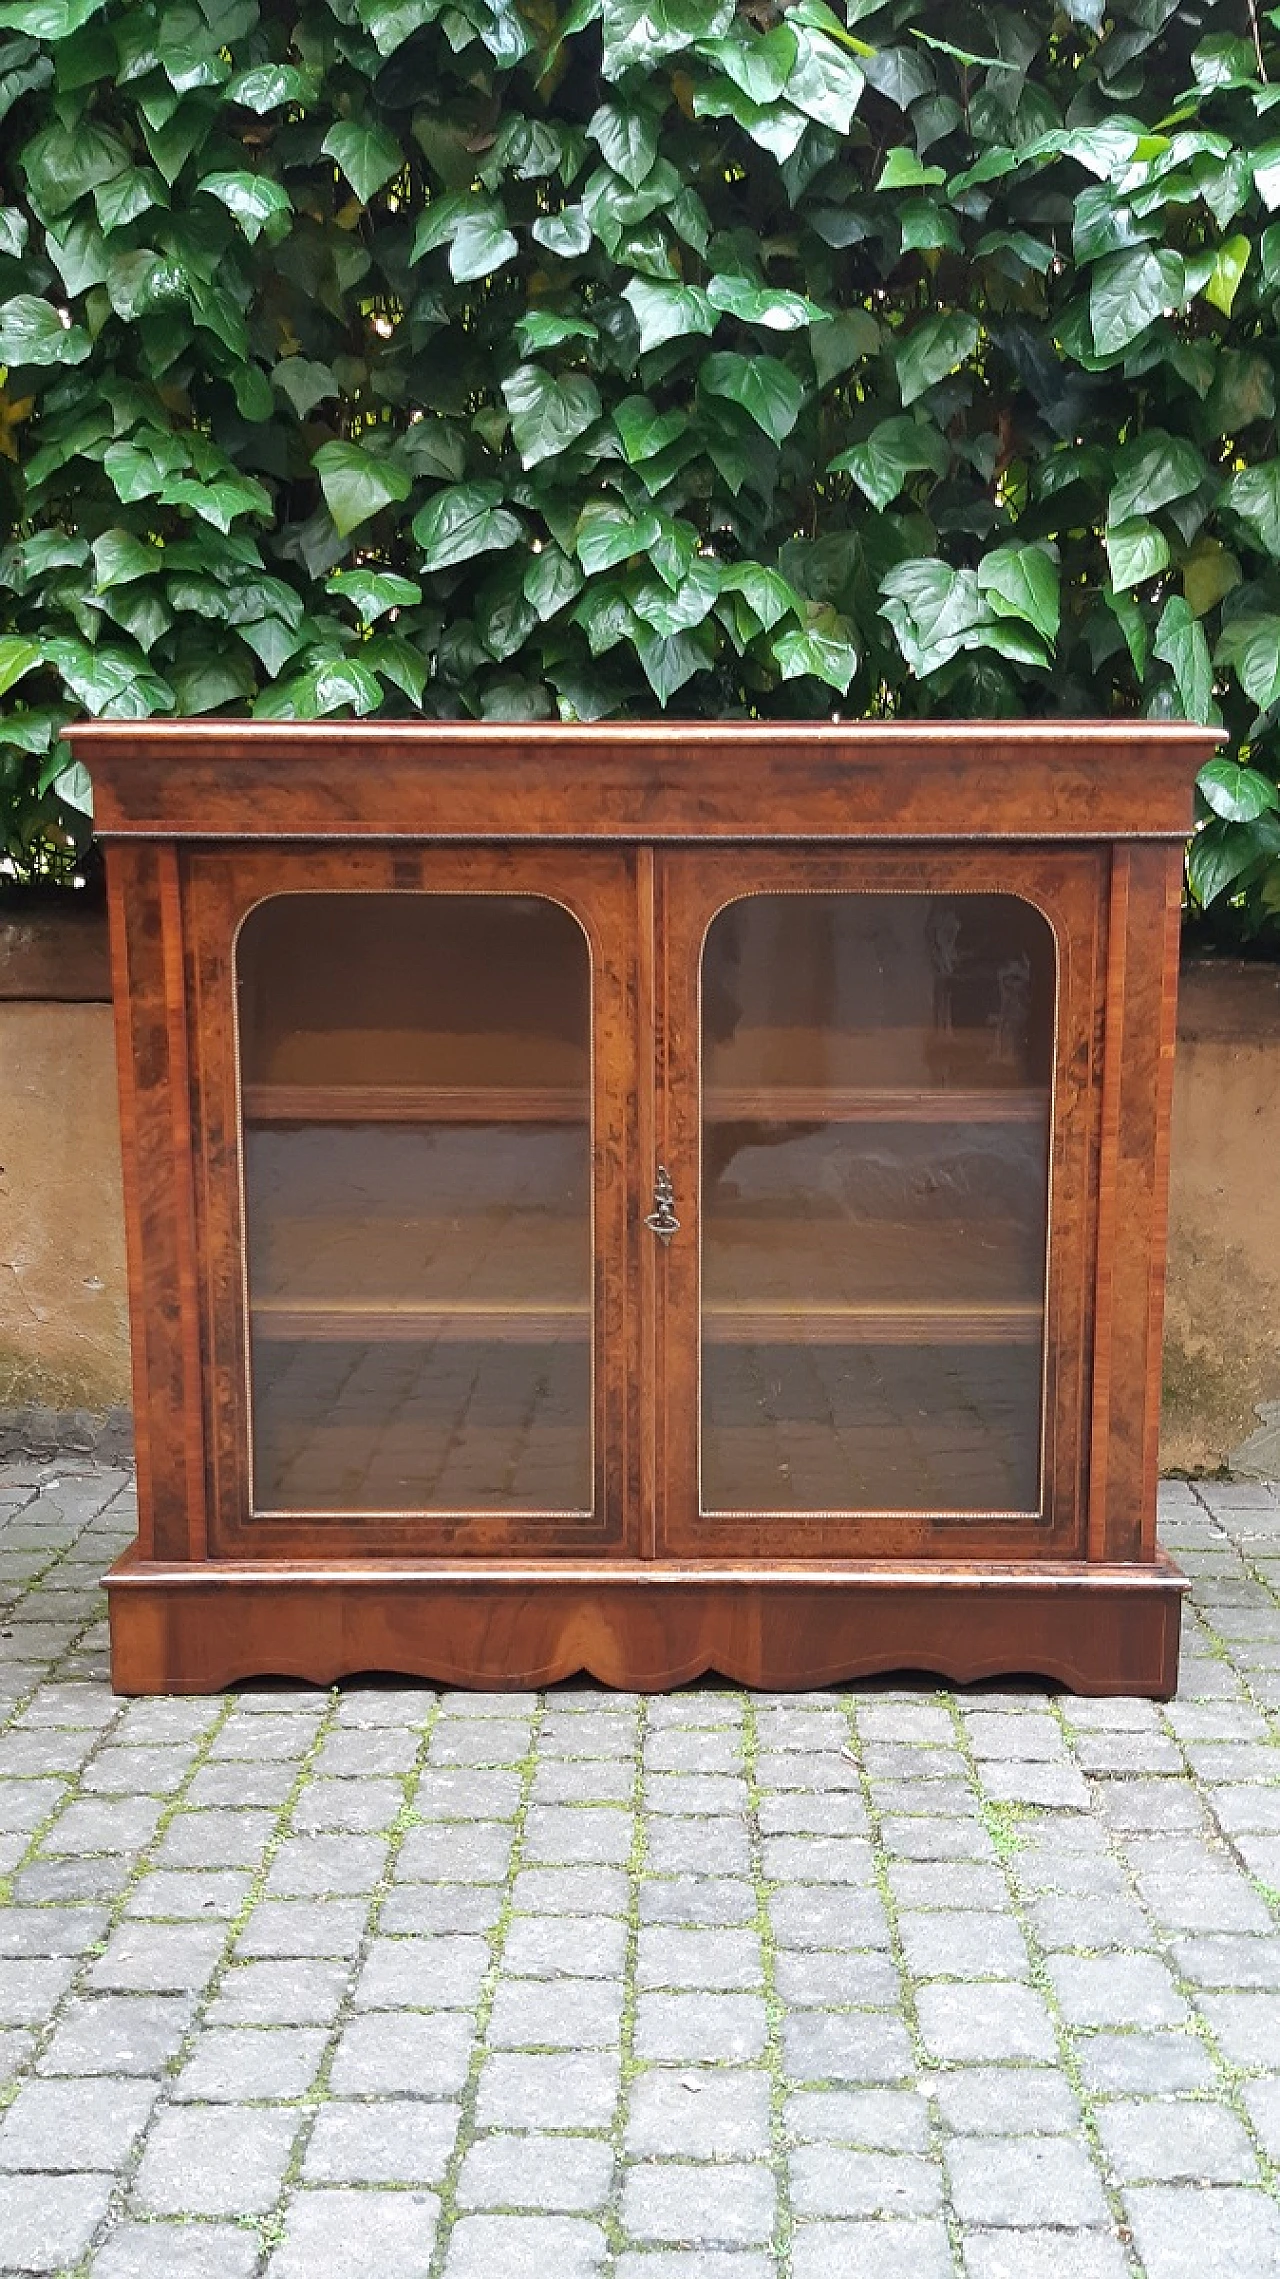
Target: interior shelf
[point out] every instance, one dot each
(566, 1104)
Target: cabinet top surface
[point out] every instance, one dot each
(1043, 779)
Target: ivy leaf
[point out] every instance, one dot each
(1229, 265)
(608, 533)
(548, 415)
(627, 137)
(396, 660)
(269, 86)
(766, 389)
(1239, 794)
(823, 648)
(32, 332)
(668, 312)
(356, 484)
(1180, 643)
(1254, 495)
(63, 164)
(567, 234)
(1022, 581)
(824, 82)
(1215, 859)
(112, 684)
(373, 592)
(764, 305)
(1130, 291)
(1136, 551)
(542, 328)
(465, 520)
(767, 594)
(933, 349)
(902, 170)
(645, 431)
(1256, 662)
(305, 383)
(255, 201)
(1159, 468)
(677, 609)
(392, 22)
(329, 684)
(17, 656)
(932, 609)
(894, 449)
(551, 581)
(119, 558)
(367, 155)
(760, 65)
(669, 660)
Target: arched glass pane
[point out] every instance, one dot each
(415, 1073)
(877, 1085)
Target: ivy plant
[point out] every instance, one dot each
(745, 358)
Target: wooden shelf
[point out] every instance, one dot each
(856, 1104)
(568, 1104)
(356, 1321)
(415, 1104)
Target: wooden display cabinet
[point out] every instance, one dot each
(645, 1200)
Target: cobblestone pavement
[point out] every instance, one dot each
(385, 1984)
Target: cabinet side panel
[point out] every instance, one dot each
(1141, 1006)
(156, 1139)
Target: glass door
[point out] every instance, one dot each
(866, 1158)
(424, 1117)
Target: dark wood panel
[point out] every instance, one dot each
(1096, 1629)
(669, 780)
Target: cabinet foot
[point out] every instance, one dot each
(197, 1628)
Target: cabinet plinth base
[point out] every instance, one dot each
(195, 1628)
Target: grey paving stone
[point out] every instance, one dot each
(1247, 2027)
(570, 1891)
(966, 1885)
(702, 1847)
(1059, 1786)
(177, 2251)
(231, 2065)
(51, 1931)
(534, 2014)
(945, 1945)
(467, 1795)
(321, 1866)
(524, 2247)
(1064, 1920)
(217, 1838)
(386, 2055)
(192, 1894)
(74, 2124)
(364, 1751)
(878, 2120)
(440, 1973)
(572, 2090)
(343, 2234)
(936, 1839)
(592, 1836)
(696, 1899)
(726, 2205)
(981, 2023)
(482, 1741)
(563, 2174)
(1143, 2064)
(564, 1946)
(715, 1958)
(294, 1992)
(30, 1988)
(24, 1804)
(479, 1854)
(1006, 2181)
(158, 1958)
(1175, 2140)
(846, 2046)
(699, 2026)
(118, 2033)
(875, 2250)
(1116, 1990)
(1150, 1804)
(711, 2113)
(215, 2160)
(384, 2141)
(15, 2050)
(1043, 2255)
(830, 1813)
(419, 1907)
(829, 2180)
(1223, 1901)
(695, 2263)
(1007, 2101)
(694, 1748)
(818, 1859)
(814, 1916)
(584, 1780)
(279, 1928)
(131, 1772)
(1184, 2232)
(47, 2222)
(242, 1781)
(116, 1824)
(358, 1807)
(1230, 1960)
(824, 1981)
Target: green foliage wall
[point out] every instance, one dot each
(376, 356)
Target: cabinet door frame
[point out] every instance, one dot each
(220, 886)
(1069, 887)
